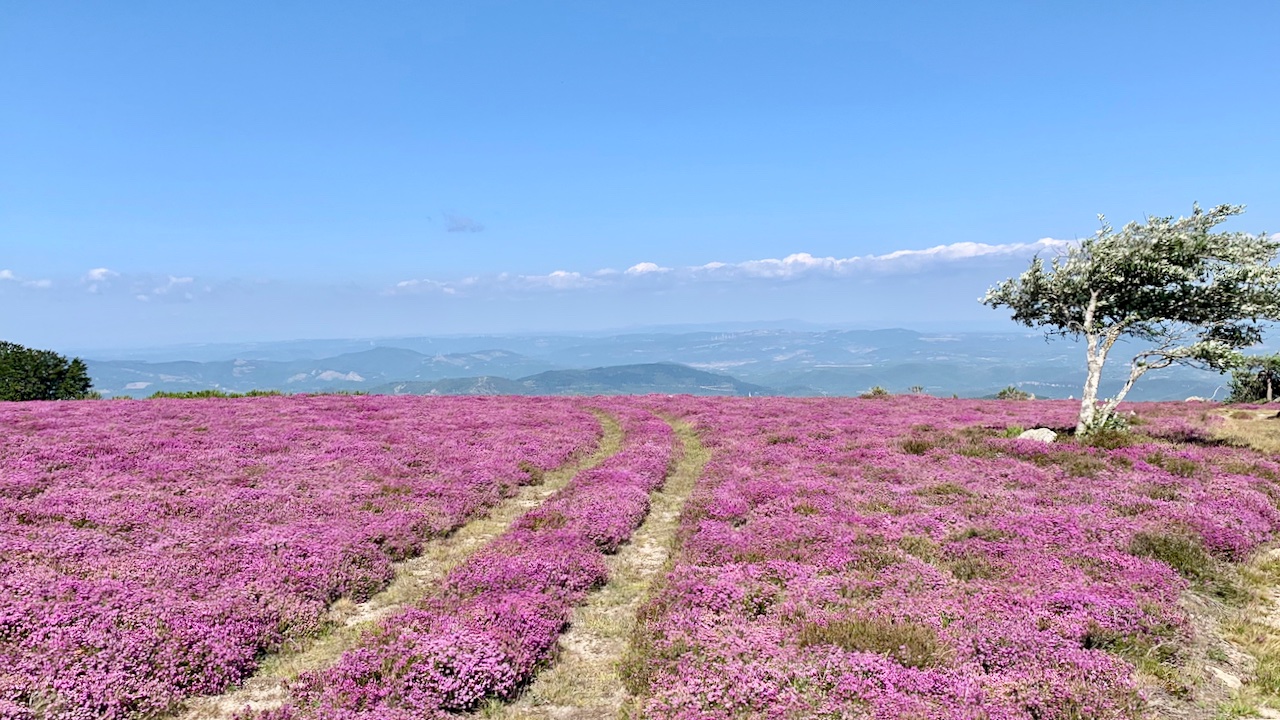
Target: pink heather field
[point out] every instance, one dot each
(899, 558)
(496, 618)
(152, 550)
(903, 557)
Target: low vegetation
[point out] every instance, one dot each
(196, 394)
(158, 550)
(904, 557)
(496, 618)
(912, 561)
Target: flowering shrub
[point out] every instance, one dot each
(154, 550)
(903, 559)
(497, 616)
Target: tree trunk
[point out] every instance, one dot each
(1268, 387)
(1089, 396)
(1135, 371)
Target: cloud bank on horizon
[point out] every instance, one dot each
(796, 266)
(930, 287)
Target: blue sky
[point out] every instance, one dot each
(179, 172)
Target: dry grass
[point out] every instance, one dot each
(1255, 629)
(1255, 626)
(1258, 429)
(584, 682)
(414, 579)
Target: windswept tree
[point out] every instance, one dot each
(27, 374)
(1188, 295)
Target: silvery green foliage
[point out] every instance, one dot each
(1195, 297)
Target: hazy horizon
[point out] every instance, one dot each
(727, 328)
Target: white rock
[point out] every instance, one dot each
(1040, 434)
(1227, 678)
(1196, 398)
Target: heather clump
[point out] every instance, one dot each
(1179, 465)
(909, 644)
(1109, 438)
(1181, 551)
(935, 569)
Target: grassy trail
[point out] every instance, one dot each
(1254, 627)
(584, 683)
(414, 579)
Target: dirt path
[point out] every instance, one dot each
(414, 578)
(583, 682)
(1231, 666)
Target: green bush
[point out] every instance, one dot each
(1013, 393)
(211, 393)
(27, 374)
(1251, 384)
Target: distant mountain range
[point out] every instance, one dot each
(779, 362)
(667, 378)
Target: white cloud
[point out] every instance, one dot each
(560, 280)
(788, 266)
(10, 276)
(556, 280)
(804, 264)
(646, 268)
(793, 266)
(173, 284)
(143, 287)
(98, 278)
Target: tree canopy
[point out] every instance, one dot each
(1190, 295)
(28, 374)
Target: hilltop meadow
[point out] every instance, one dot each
(645, 557)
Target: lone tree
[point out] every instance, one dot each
(1191, 296)
(27, 374)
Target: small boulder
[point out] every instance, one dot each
(1039, 434)
(1196, 398)
(1225, 677)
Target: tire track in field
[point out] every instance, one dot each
(415, 577)
(583, 682)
